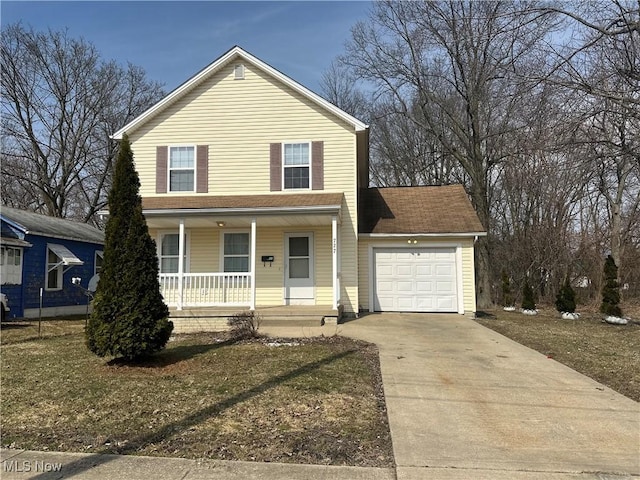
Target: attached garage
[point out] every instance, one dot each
(416, 250)
(415, 279)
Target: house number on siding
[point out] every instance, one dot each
(335, 246)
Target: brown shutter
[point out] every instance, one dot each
(202, 162)
(275, 162)
(317, 165)
(161, 169)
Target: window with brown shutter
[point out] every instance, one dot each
(202, 176)
(161, 169)
(275, 165)
(317, 165)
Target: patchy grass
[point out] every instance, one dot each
(607, 353)
(14, 331)
(305, 401)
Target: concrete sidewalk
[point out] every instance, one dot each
(24, 464)
(463, 401)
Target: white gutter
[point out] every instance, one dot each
(419, 235)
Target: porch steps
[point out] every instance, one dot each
(214, 319)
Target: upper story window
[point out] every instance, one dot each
(297, 166)
(11, 265)
(182, 171)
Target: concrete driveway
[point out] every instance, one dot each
(467, 403)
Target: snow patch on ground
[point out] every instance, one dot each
(509, 309)
(530, 312)
(570, 316)
(282, 344)
(616, 320)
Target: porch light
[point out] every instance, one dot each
(221, 224)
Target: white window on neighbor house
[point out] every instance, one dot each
(169, 252)
(235, 251)
(296, 165)
(54, 271)
(98, 261)
(182, 169)
(11, 265)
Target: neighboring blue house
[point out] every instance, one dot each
(41, 254)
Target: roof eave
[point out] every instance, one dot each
(205, 72)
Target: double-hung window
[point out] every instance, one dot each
(54, 271)
(296, 165)
(169, 253)
(236, 252)
(11, 265)
(182, 171)
(98, 261)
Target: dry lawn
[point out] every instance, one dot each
(312, 401)
(607, 353)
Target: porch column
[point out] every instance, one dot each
(180, 264)
(252, 300)
(334, 257)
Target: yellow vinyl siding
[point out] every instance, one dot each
(468, 275)
(238, 120)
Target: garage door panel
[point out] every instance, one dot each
(424, 288)
(404, 271)
(415, 279)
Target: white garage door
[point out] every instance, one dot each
(415, 280)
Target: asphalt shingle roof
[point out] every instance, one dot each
(243, 201)
(415, 210)
(37, 224)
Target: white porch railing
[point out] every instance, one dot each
(206, 289)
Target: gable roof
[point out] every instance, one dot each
(231, 55)
(418, 210)
(30, 223)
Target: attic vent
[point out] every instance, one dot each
(238, 72)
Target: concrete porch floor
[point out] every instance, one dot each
(205, 319)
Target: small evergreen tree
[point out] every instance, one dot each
(566, 298)
(527, 297)
(129, 317)
(507, 296)
(610, 289)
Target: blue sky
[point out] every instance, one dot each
(173, 40)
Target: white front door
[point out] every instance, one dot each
(298, 275)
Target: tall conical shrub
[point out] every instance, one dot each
(566, 298)
(610, 289)
(507, 296)
(527, 297)
(129, 317)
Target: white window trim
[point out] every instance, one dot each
(95, 258)
(187, 248)
(4, 265)
(59, 268)
(195, 169)
(308, 142)
(234, 230)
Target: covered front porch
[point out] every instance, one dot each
(239, 255)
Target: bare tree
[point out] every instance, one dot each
(60, 101)
(452, 67)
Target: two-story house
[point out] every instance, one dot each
(256, 191)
